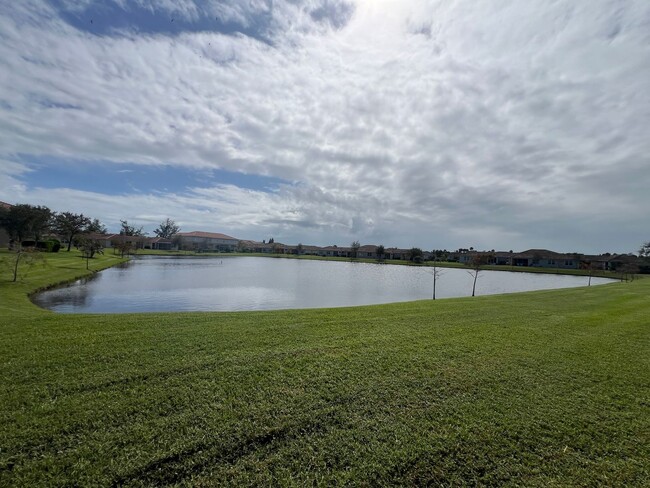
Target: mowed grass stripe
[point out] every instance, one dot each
(536, 389)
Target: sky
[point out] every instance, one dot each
(497, 124)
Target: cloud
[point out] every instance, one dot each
(425, 123)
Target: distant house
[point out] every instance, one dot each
(206, 241)
(619, 262)
(543, 258)
(335, 251)
(255, 246)
(160, 244)
(367, 251)
(396, 253)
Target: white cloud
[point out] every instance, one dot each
(429, 123)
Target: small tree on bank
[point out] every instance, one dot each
(123, 247)
(415, 255)
(476, 263)
(380, 252)
(437, 272)
(23, 260)
(354, 249)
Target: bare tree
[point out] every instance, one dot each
(24, 259)
(123, 246)
(476, 262)
(437, 272)
(89, 247)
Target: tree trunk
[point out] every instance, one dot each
(475, 278)
(16, 266)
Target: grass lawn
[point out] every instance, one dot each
(547, 388)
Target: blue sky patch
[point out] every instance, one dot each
(108, 18)
(120, 179)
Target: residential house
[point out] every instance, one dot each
(619, 262)
(160, 243)
(206, 241)
(367, 252)
(395, 253)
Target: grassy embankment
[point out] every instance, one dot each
(536, 389)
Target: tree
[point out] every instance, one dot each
(354, 248)
(123, 246)
(437, 272)
(299, 248)
(380, 252)
(95, 227)
(22, 221)
(25, 259)
(476, 262)
(167, 229)
(131, 230)
(69, 225)
(644, 251)
(89, 247)
(415, 255)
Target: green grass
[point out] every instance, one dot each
(538, 389)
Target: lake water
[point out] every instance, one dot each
(165, 284)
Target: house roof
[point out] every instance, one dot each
(368, 248)
(205, 235)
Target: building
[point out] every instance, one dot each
(160, 244)
(206, 241)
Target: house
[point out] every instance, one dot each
(206, 241)
(367, 251)
(543, 258)
(619, 262)
(160, 244)
(335, 251)
(396, 253)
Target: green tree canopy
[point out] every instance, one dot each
(167, 229)
(24, 221)
(69, 224)
(95, 227)
(130, 230)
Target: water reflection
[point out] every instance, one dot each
(151, 284)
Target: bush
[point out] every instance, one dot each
(50, 245)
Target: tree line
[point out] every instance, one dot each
(29, 225)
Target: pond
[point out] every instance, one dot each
(169, 284)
